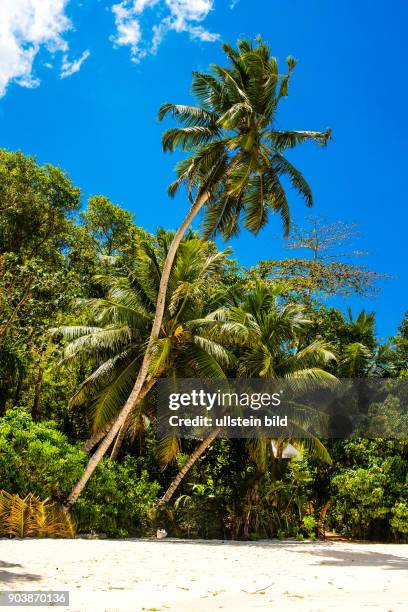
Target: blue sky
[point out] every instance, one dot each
(82, 83)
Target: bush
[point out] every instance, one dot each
(310, 526)
(399, 520)
(36, 458)
(370, 495)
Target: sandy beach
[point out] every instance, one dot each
(133, 575)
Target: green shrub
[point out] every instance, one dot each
(309, 526)
(370, 495)
(399, 520)
(37, 458)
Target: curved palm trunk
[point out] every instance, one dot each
(122, 431)
(98, 436)
(154, 334)
(101, 433)
(201, 448)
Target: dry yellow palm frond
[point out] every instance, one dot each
(32, 517)
(11, 518)
(15, 520)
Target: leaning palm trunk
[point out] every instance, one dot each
(201, 448)
(98, 436)
(141, 377)
(101, 433)
(120, 437)
(122, 431)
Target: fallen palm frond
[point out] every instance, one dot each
(31, 517)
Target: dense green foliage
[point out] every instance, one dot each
(37, 458)
(370, 489)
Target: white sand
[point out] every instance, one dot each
(192, 576)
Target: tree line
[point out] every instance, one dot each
(94, 309)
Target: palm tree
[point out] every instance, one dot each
(234, 170)
(274, 347)
(270, 335)
(115, 347)
(361, 357)
(183, 348)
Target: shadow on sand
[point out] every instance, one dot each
(7, 577)
(328, 552)
(345, 558)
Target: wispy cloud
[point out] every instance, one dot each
(68, 68)
(177, 15)
(26, 26)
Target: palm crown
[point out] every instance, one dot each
(274, 346)
(237, 157)
(274, 335)
(114, 346)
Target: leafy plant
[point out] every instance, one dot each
(309, 525)
(37, 458)
(369, 490)
(399, 520)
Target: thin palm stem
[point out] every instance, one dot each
(201, 448)
(123, 430)
(98, 436)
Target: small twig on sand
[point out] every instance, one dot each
(258, 590)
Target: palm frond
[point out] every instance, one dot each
(282, 166)
(108, 341)
(109, 401)
(189, 115)
(188, 137)
(314, 447)
(214, 349)
(167, 449)
(289, 139)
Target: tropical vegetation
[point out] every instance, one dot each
(94, 309)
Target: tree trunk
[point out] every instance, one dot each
(122, 431)
(98, 435)
(35, 412)
(322, 520)
(154, 334)
(201, 448)
(19, 386)
(120, 437)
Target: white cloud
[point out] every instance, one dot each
(30, 26)
(180, 16)
(68, 68)
(26, 26)
(128, 31)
